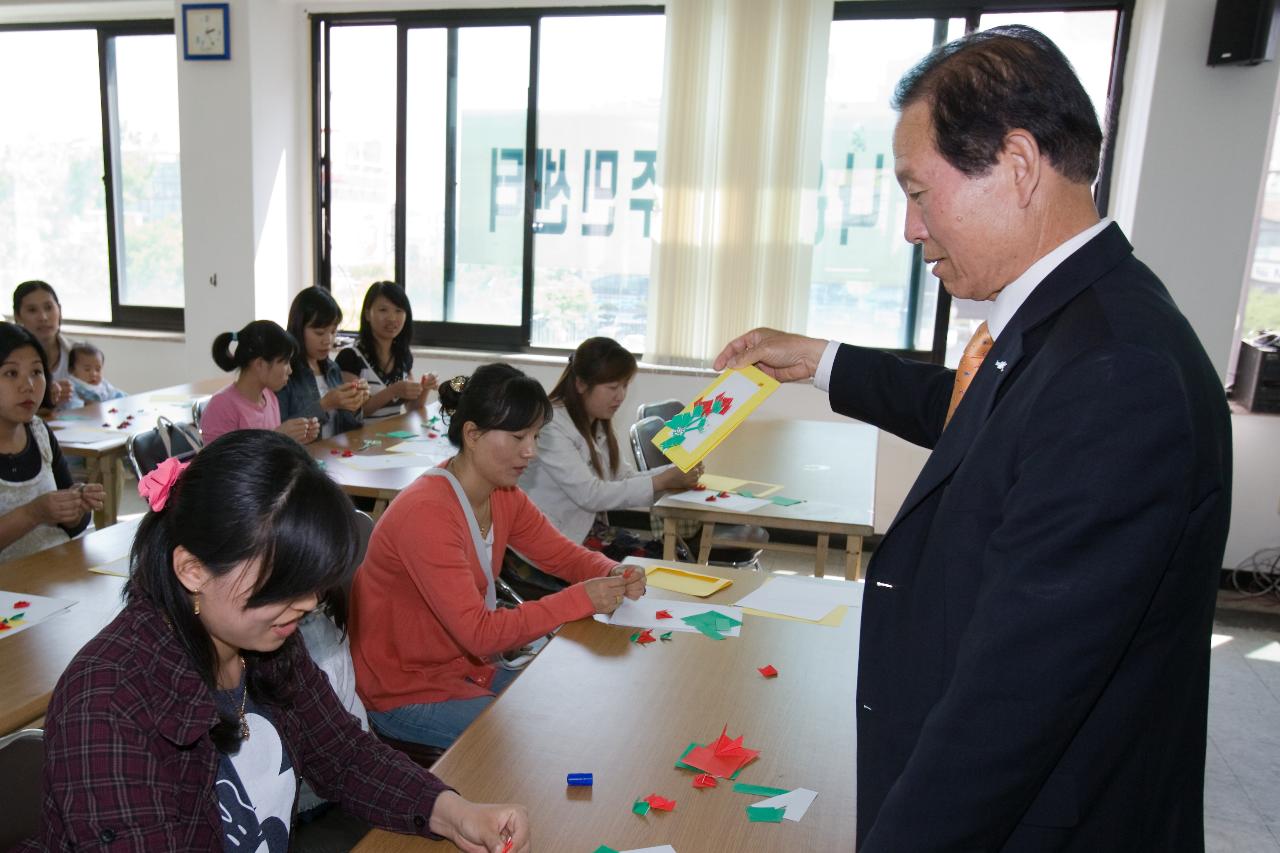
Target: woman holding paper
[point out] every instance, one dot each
(426, 631)
(579, 473)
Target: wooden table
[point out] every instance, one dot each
(830, 465)
(32, 661)
(594, 702)
(105, 457)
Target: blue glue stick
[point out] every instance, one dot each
(580, 780)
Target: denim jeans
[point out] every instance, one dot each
(437, 723)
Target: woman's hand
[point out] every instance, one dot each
(480, 827)
(606, 593)
(346, 396)
(60, 391)
(91, 496)
(426, 385)
(65, 506)
(674, 480)
(406, 389)
(635, 577)
(301, 430)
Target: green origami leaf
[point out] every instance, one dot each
(758, 815)
(640, 807)
(760, 790)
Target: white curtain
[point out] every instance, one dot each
(737, 171)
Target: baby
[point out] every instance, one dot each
(87, 382)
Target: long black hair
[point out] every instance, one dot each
(27, 288)
(260, 339)
(496, 396)
(401, 356)
(315, 308)
(596, 361)
(249, 495)
(12, 337)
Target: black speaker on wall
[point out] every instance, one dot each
(1244, 32)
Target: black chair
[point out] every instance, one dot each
(22, 763)
(148, 449)
(197, 410)
(648, 457)
(665, 409)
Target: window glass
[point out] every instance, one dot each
(427, 106)
(596, 174)
(1262, 301)
(52, 205)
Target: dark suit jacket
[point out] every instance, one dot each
(1034, 659)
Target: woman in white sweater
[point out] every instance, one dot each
(579, 473)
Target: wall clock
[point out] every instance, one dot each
(206, 31)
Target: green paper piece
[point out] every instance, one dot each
(759, 790)
(17, 617)
(779, 500)
(665, 636)
(711, 623)
(680, 765)
(635, 636)
(400, 433)
(682, 423)
(640, 807)
(603, 848)
(756, 814)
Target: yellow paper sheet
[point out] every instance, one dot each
(688, 583)
(118, 567)
(831, 620)
(716, 483)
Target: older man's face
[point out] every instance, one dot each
(966, 226)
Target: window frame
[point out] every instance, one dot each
(149, 317)
(442, 333)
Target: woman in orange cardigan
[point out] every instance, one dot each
(424, 625)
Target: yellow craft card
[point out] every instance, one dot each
(716, 483)
(831, 620)
(688, 583)
(118, 567)
(717, 411)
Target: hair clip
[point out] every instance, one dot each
(156, 485)
(234, 337)
(457, 383)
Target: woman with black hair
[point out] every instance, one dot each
(316, 388)
(188, 721)
(425, 626)
(39, 505)
(382, 356)
(36, 308)
(263, 353)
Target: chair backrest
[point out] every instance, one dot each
(197, 410)
(22, 763)
(148, 449)
(647, 454)
(665, 409)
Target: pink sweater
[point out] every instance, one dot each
(228, 410)
(420, 631)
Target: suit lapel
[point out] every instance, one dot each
(1059, 287)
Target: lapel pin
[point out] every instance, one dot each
(1001, 365)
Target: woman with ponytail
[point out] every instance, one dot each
(187, 723)
(262, 352)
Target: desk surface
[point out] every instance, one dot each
(830, 465)
(32, 661)
(385, 482)
(594, 702)
(173, 402)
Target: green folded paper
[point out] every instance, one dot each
(640, 807)
(755, 814)
(761, 790)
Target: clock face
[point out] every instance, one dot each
(206, 32)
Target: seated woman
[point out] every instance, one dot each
(39, 505)
(186, 723)
(263, 353)
(316, 388)
(382, 357)
(579, 473)
(36, 308)
(425, 625)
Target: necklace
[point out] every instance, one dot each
(244, 697)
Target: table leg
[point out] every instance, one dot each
(668, 538)
(105, 470)
(379, 507)
(820, 555)
(704, 542)
(853, 558)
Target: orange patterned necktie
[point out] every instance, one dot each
(977, 349)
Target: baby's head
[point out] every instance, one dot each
(85, 363)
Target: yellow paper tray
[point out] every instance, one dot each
(688, 583)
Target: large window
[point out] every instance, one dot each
(502, 168)
(1262, 299)
(90, 197)
(868, 285)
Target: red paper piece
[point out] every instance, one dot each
(723, 495)
(108, 426)
(704, 780)
(333, 452)
(18, 605)
(660, 803)
(112, 411)
(432, 435)
(4, 626)
(662, 614)
(347, 453)
(699, 488)
(646, 636)
(722, 757)
(768, 671)
(710, 498)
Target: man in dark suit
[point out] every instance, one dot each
(1034, 661)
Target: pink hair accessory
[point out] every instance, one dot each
(154, 488)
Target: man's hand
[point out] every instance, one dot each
(784, 356)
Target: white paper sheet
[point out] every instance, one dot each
(87, 435)
(730, 503)
(382, 462)
(37, 609)
(435, 449)
(803, 598)
(641, 614)
(662, 848)
(795, 802)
